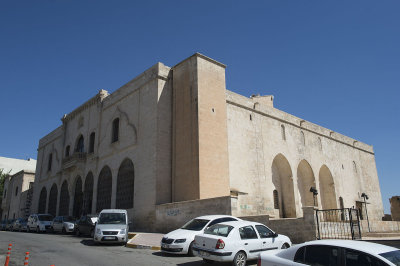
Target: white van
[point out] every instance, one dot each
(39, 222)
(111, 227)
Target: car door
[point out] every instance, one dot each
(249, 241)
(268, 241)
(318, 255)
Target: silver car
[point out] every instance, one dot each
(63, 224)
(111, 227)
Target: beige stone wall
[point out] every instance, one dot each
(311, 152)
(379, 226)
(395, 208)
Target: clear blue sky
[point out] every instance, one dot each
(334, 63)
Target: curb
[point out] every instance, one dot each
(142, 246)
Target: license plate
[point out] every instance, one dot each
(109, 237)
(164, 245)
(204, 253)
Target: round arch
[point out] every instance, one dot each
(53, 200)
(64, 199)
(42, 200)
(305, 180)
(282, 178)
(104, 189)
(125, 185)
(327, 188)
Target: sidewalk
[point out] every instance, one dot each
(145, 241)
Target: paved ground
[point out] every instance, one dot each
(67, 250)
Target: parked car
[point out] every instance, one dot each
(9, 224)
(23, 225)
(85, 225)
(333, 252)
(180, 241)
(39, 222)
(64, 224)
(19, 225)
(237, 242)
(112, 226)
(3, 225)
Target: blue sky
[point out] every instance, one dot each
(334, 63)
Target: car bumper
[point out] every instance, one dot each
(110, 239)
(213, 255)
(174, 248)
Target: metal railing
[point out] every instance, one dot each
(338, 224)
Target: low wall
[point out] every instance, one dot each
(297, 229)
(171, 216)
(380, 226)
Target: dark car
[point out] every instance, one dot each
(20, 224)
(3, 225)
(85, 225)
(9, 224)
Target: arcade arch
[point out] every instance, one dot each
(305, 180)
(327, 188)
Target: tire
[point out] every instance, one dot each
(63, 231)
(190, 250)
(285, 246)
(28, 229)
(239, 259)
(208, 261)
(92, 233)
(38, 230)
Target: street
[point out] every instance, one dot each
(67, 250)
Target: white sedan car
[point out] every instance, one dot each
(180, 241)
(333, 252)
(237, 242)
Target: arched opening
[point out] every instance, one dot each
(125, 185)
(276, 199)
(88, 194)
(305, 180)
(64, 199)
(91, 142)
(327, 189)
(115, 130)
(104, 189)
(53, 200)
(80, 145)
(282, 179)
(67, 151)
(283, 133)
(78, 196)
(49, 163)
(42, 200)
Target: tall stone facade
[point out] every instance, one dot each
(177, 135)
(395, 207)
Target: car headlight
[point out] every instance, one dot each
(98, 231)
(71, 226)
(182, 240)
(123, 231)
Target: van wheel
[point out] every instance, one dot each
(208, 261)
(190, 249)
(239, 259)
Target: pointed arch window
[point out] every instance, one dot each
(283, 132)
(276, 199)
(50, 162)
(115, 130)
(303, 138)
(67, 150)
(355, 167)
(91, 142)
(80, 144)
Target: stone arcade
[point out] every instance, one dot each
(173, 143)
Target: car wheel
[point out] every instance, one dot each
(285, 246)
(28, 229)
(37, 229)
(190, 249)
(208, 261)
(239, 259)
(63, 231)
(92, 233)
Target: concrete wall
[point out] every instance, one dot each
(171, 216)
(379, 226)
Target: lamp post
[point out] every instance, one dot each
(315, 193)
(365, 196)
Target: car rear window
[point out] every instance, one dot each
(219, 230)
(195, 224)
(392, 256)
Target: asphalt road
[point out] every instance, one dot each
(66, 250)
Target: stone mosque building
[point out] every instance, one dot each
(175, 137)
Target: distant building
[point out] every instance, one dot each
(17, 195)
(174, 143)
(395, 207)
(13, 166)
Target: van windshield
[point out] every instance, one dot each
(112, 218)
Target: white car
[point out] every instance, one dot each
(39, 222)
(333, 252)
(237, 242)
(64, 224)
(180, 241)
(111, 227)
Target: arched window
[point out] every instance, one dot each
(67, 151)
(319, 143)
(303, 138)
(53, 200)
(115, 130)
(91, 142)
(125, 185)
(16, 191)
(64, 200)
(42, 200)
(80, 145)
(276, 199)
(49, 162)
(283, 132)
(104, 189)
(355, 167)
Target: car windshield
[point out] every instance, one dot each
(392, 256)
(69, 219)
(219, 230)
(195, 224)
(45, 218)
(112, 218)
